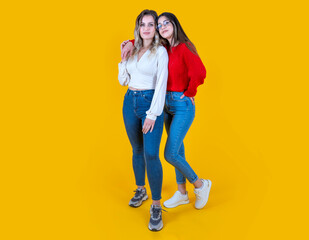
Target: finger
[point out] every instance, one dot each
(182, 96)
(146, 130)
(124, 43)
(192, 100)
(151, 128)
(145, 127)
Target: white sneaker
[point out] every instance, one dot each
(202, 194)
(176, 200)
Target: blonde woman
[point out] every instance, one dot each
(146, 72)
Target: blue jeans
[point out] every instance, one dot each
(145, 146)
(178, 117)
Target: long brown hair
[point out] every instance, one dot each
(178, 34)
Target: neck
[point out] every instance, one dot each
(147, 43)
(171, 42)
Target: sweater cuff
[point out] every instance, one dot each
(188, 93)
(151, 117)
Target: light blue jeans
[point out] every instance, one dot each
(145, 146)
(178, 117)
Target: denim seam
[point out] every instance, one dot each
(175, 144)
(134, 106)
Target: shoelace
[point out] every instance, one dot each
(156, 212)
(138, 192)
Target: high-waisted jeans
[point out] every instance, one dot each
(178, 117)
(145, 146)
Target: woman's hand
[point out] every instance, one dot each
(123, 44)
(126, 49)
(148, 125)
(191, 98)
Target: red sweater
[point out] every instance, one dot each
(185, 70)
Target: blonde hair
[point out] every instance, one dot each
(138, 44)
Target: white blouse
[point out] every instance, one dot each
(150, 72)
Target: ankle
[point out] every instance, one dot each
(182, 188)
(157, 203)
(198, 183)
(183, 192)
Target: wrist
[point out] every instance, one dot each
(151, 117)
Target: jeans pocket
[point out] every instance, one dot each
(147, 97)
(178, 99)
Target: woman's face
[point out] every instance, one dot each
(147, 27)
(165, 28)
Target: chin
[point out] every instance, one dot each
(165, 35)
(147, 38)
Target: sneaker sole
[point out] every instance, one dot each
(140, 203)
(156, 229)
(207, 196)
(177, 204)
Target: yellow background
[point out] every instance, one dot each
(65, 158)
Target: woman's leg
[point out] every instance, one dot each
(180, 178)
(183, 112)
(133, 127)
(153, 164)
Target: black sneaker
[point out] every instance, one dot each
(155, 223)
(139, 197)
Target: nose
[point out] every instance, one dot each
(163, 27)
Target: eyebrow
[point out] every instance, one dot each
(149, 22)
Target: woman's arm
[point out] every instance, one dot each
(196, 71)
(123, 75)
(158, 99)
